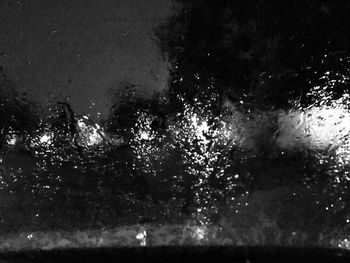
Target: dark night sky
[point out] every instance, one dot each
(82, 48)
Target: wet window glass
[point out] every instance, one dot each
(147, 123)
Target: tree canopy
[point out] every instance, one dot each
(255, 51)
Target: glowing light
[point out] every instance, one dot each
(46, 138)
(12, 140)
(345, 244)
(316, 128)
(144, 136)
(89, 135)
(198, 233)
(142, 236)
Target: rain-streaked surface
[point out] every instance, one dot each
(65, 172)
(177, 171)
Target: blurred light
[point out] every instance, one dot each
(12, 141)
(142, 237)
(46, 138)
(89, 135)
(144, 136)
(345, 244)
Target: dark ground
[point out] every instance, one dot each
(182, 254)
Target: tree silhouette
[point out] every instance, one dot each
(18, 116)
(255, 51)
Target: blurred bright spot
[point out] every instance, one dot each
(46, 138)
(345, 244)
(12, 140)
(89, 134)
(201, 128)
(199, 232)
(315, 128)
(144, 136)
(142, 237)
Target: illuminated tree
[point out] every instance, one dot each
(191, 160)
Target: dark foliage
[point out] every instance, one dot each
(255, 51)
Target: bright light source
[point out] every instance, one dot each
(142, 237)
(316, 128)
(88, 134)
(46, 138)
(12, 141)
(144, 136)
(345, 244)
(199, 232)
